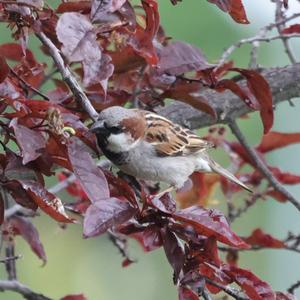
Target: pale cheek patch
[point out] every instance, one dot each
(120, 142)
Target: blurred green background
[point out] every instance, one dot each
(93, 266)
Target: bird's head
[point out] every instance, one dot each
(119, 127)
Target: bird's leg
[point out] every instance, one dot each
(168, 190)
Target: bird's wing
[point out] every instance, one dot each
(170, 139)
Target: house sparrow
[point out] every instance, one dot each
(151, 147)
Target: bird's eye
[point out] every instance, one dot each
(113, 129)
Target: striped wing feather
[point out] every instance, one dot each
(170, 139)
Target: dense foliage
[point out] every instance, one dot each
(113, 53)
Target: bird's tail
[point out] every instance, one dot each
(220, 170)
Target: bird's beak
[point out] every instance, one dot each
(99, 128)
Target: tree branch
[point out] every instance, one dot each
(261, 166)
(284, 83)
(26, 292)
(68, 77)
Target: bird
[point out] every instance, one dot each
(150, 147)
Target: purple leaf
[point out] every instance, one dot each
(76, 34)
(178, 57)
(173, 250)
(30, 141)
(102, 9)
(165, 203)
(210, 222)
(23, 227)
(150, 238)
(35, 3)
(103, 214)
(98, 71)
(90, 176)
(8, 89)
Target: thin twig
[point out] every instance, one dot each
(206, 295)
(26, 292)
(260, 37)
(260, 165)
(257, 248)
(68, 77)
(120, 243)
(4, 260)
(252, 40)
(295, 286)
(11, 211)
(279, 17)
(28, 86)
(248, 203)
(10, 265)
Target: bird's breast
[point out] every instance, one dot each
(118, 158)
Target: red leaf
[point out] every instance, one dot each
(188, 92)
(210, 251)
(142, 41)
(260, 88)
(15, 52)
(237, 12)
(241, 92)
(23, 227)
(74, 297)
(285, 177)
(83, 7)
(126, 59)
(30, 141)
(173, 250)
(278, 196)
(150, 238)
(210, 223)
(253, 286)
(4, 69)
(295, 28)
(165, 203)
(234, 7)
(260, 238)
(46, 201)
(120, 188)
(179, 57)
(187, 294)
(104, 214)
(275, 140)
(90, 176)
(216, 274)
(127, 262)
